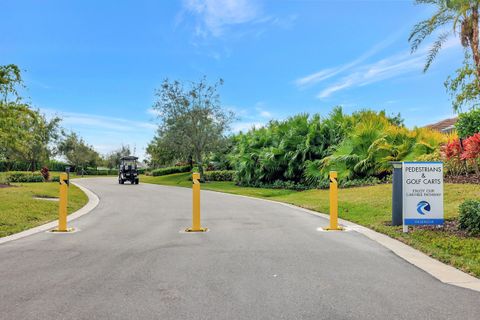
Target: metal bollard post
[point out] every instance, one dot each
(196, 226)
(333, 202)
(62, 205)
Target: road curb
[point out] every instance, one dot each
(93, 201)
(439, 270)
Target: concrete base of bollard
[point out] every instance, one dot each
(196, 230)
(63, 231)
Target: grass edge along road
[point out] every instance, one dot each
(370, 207)
(19, 210)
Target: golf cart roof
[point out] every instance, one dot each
(129, 158)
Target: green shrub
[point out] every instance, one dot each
(468, 123)
(370, 181)
(322, 184)
(278, 184)
(219, 175)
(4, 179)
(24, 177)
(469, 218)
(170, 170)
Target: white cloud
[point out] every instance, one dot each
(347, 82)
(388, 68)
(245, 126)
(360, 75)
(215, 15)
(262, 112)
(265, 114)
(112, 123)
(331, 72)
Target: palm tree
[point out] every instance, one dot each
(462, 15)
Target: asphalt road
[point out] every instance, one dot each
(260, 260)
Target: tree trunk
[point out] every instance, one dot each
(465, 160)
(198, 159)
(190, 162)
(8, 164)
(474, 42)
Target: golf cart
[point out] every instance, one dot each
(128, 170)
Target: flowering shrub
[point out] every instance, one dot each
(472, 147)
(459, 157)
(471, 151)
(453, 150)
(452, 154)
(45, 173)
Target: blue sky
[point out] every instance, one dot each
(97, 63)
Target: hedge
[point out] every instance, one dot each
(26, 177)
(219, 175)
(323, 184)
(52, 165)
(170, 170)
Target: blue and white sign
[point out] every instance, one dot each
(423, 193)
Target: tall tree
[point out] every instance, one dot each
(192, 120)
(462, 16)
(25, 133)
(112, 160)
(161, 154)
(10, 79)
(78, 153)
(463, 87)
(41, 133)
(12, 133)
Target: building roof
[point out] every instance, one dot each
(444, 125)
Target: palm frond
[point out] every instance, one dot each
(437, 45)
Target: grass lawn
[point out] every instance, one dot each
(370, 207)
(20, 211)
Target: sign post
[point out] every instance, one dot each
(422, 193)
(397, 194)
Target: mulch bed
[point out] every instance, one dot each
(449, 226)
(5, 186)
(471, 178)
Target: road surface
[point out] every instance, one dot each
(260, 260)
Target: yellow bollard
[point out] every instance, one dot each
(196, 205)
(333, 202)
(62, 206)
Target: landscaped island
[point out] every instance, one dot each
(27, 205)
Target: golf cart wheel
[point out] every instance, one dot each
(136, 181)
(120, 181)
